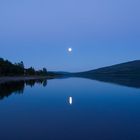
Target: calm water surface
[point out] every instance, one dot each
(69, 109)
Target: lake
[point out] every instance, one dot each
(69, 109)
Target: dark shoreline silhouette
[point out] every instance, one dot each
(7, 68)
(125, 74)
(17, 87)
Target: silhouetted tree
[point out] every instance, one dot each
(9, 69)
(30, 71)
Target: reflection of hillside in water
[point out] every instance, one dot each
(124, 80)
(6, 89)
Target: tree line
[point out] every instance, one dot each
(7, 68)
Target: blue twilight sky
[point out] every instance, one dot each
(101, 32)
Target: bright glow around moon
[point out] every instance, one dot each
(70, 49)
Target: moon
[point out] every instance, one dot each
(69, 49)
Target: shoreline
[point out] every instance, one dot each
(6, 79)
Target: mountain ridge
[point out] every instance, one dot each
(125, 74)
(131, 67)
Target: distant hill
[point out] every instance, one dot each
(127, 68)
(127, 74)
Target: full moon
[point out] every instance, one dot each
(70, 49)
